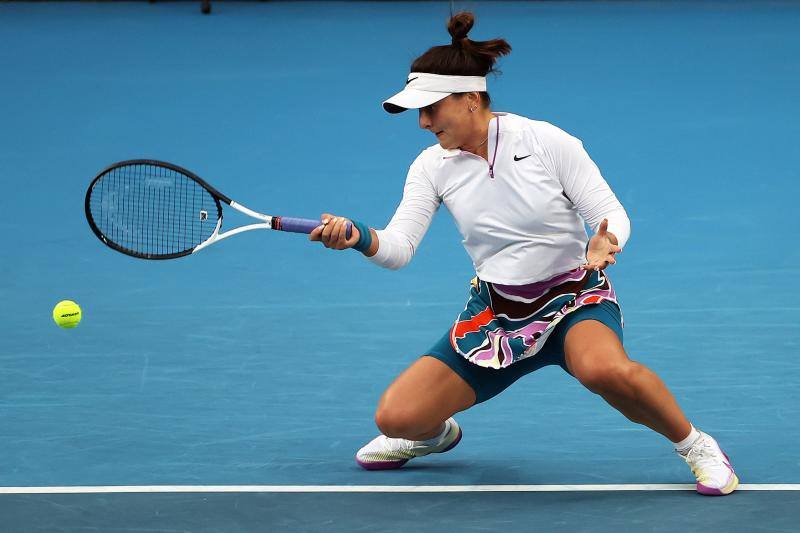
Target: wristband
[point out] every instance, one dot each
(364, 236)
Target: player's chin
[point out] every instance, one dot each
(444, 142)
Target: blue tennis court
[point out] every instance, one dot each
(256, 365)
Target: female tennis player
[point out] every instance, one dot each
(520, 191)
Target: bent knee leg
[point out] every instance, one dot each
(610, 377)
(399, 422)
(421, 398)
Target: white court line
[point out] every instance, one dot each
(369, 488)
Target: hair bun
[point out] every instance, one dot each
(459, 25)
(464, 57)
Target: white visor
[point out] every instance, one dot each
(423, 89)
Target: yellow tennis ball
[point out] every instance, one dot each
(67, 314)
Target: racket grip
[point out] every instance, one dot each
(302, 225)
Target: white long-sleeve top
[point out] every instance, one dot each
(521, 213)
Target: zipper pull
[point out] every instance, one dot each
(496, 146)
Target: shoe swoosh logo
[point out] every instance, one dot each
(516, 158)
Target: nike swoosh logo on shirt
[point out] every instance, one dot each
(412, 79)
(521, 158)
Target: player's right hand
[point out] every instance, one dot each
(332, 232)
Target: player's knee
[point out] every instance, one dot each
(396, 422)
(615, 377)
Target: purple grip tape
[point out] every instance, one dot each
(302, 225)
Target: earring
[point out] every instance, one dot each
(472, 109)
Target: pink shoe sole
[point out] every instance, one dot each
(733, 482)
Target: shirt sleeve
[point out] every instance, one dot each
(399, 240)
(582, 182)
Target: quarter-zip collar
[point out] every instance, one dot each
(493, 143)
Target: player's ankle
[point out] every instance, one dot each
(687, 442)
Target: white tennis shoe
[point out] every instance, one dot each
(712, 468)
(384, 453)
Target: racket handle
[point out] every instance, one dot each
(302, 225)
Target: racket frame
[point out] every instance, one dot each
(268, 222)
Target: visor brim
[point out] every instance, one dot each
(412, 99)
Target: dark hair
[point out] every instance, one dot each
(463, 57)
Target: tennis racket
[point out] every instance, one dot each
(155, 210)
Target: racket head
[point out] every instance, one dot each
(151, 209)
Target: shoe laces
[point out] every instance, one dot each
(702, 454)
(398, 444)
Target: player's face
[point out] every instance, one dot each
(449, 119)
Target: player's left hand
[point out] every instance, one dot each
(601, 249)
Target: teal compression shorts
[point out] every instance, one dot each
(489, 382)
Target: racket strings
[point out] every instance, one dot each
(153, 210)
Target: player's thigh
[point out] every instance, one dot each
(594, 354)
(428, 389)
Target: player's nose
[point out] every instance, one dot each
(424, 119)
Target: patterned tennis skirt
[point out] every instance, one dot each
(502, 324)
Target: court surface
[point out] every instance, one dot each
(259, 361)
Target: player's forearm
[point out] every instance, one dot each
(390, 249)
(619, 226)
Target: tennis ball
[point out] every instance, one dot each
(67, 314)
